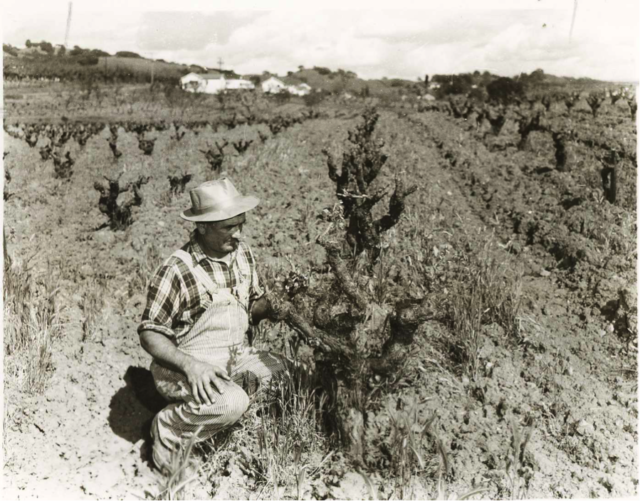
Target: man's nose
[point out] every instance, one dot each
(237, 234)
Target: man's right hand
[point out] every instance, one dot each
(205, 380)
(201, 376)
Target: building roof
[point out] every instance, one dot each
(210, 76)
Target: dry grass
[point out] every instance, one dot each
(32, 321)
(516, 474)
(92, 305)
(279, 446)
(488, 293)
(287, 429)
(147, 263)
(183, 471)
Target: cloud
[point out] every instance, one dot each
(189, 30)
(373, 43)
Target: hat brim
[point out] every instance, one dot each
(237, 206)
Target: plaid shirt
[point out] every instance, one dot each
(174, 300)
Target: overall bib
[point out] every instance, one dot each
(217, 337)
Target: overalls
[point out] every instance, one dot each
(217, 337)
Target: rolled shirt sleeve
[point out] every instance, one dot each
(163, 302)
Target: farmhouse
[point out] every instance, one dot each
(299, 90)
(239, 84)
(212, 83)
(273, 86)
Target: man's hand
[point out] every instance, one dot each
(260, 309)
(201, 376)
(205, 380)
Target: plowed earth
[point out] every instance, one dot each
(83, 437)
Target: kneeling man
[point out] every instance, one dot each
(200, 304)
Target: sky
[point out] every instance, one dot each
(391, 39)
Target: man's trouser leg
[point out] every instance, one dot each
(179, 420)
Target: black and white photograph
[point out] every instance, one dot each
(344, 250)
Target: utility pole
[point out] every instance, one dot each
(66, 35)
(220, 61)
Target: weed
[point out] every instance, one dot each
(485, 294)
(91, 306)
(287, 427)
(405, 440)
(182, 471)
(32, 320)
(441, 485)
(516, 473)
(145, 267)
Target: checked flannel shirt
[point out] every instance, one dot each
(174, 299)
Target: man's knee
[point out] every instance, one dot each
(227, 409)
(238, 405)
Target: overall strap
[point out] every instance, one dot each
(200, 274)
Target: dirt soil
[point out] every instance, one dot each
(84, 437)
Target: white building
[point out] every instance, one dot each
(273, 86)
(299, 90)
(212, 83)
(239, 84)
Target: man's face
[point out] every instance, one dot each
(222, 237)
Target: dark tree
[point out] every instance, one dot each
(505, 91)
(215, 158)
(242, 145)
(62, 167)
(560, 145)
(595, 100)
(354, 335)
(146, 145)
(45, 152)
(178, 184)
(6, 194)
(31, 139)
(609, 175)
(119, 215)
(278, 123)
(571, 99)
(114, 147)
(615, 96)
(633, 105)
(547, 101)
(231, 122)
(496, 117)
(528, 123)
(360, 166)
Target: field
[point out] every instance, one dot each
(520, 382)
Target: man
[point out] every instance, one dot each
(200, 304)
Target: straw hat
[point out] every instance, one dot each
(217, 201)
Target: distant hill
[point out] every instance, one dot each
(90, 64)
(79, 64)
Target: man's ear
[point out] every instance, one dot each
(201, 229)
